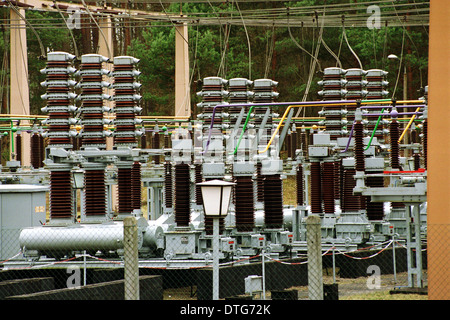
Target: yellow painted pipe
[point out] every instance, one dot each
(408, 125)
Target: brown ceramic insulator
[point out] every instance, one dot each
(316, 188)
(42, 150)
(90, 66)
(304, 143)
(289, 145)
(394, 134)
(337, 179)
(375, 210)
(182, 195)
(168, 190)
(123, 67)
(244, 209)
(300, 186)
(123, 79)
(143, 141)
(35, 151)
(60, 194)
(259, 183)
(359, 146)
(294, 143)
(349, 201)
(124, 190)
(416, 157)
(328, 187)
(19, 147)
(166, 141)
(95, 192)
(155, 145)
(198, 179)
(273, 201)
(425, 142)
(136, 189)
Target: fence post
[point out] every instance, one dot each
(131, 262)
(314, 246)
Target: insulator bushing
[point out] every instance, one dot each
(300, 185)
(136, 188)
(95, 192)
(19, 147)
(349, 201)
(36, 144)
(259, 183)
(156, 145)
(375, 210)
(213, 93)
(273, 201)
(59, 96)
(394, 134)
(125, 204)
(416, 157)
(60, 194)
(92, 97)
(333, 85)
(168, 190)
(425, 142)
(198, 179)
(244, 200)
(359, 146)
(126, 100)
(328, 187)
(182, 195)
(316, 188)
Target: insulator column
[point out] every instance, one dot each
(92, 97)
(37, 150)
(333, 89)
(60, 194)
(349, 201)
(198, 179)
(95, 190)
(125, 204)
(182, 195)
(316, 188)
(273, 201)
(168, 190)
(136, 188)
(328, 186)
(59, 97)
(300, 186)
(126, 101)
(244, 210)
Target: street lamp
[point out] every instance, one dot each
(405, 80)
(216, 196)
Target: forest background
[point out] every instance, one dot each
(284, 54)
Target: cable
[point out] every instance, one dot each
(400, 64)
(41, 46)
(248, 42)
(348, 44)
(101, 31)
(70, 31)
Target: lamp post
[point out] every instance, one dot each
(216, 196)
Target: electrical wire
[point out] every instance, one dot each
(110, 55)
(248, 42)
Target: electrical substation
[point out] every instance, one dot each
(361, 166)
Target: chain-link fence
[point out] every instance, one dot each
(120, 260)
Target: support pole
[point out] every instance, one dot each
(182, 89)
(19, 88)
(131, 261)
(314, 246)
(215, 258)
(438, 219)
